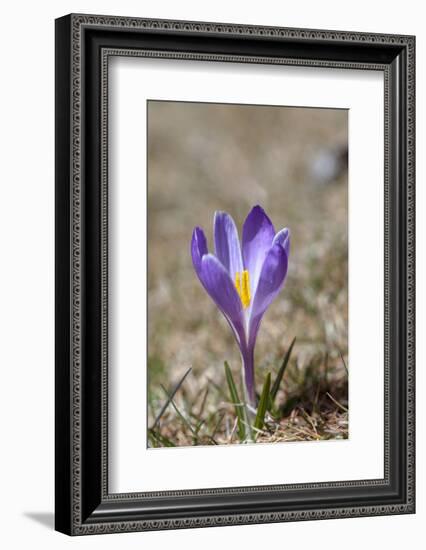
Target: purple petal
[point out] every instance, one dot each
(258, 234)
(219, 285)
(283, 238)
(198, 248)
(271, 279)
(227, 243)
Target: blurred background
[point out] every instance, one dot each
(293, 162)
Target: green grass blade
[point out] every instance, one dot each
(263, 403)
(181, 415)
(238, 405)
(217, 426)
(156, 437)
(203, 402)
(278, 379)
(170, 397)
(343, 361)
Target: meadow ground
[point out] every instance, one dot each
(203, 158)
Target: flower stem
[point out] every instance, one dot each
(248, 376)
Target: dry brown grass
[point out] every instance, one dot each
(206, 158)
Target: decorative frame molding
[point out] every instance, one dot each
(84, 43)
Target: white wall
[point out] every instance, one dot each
(26, 289)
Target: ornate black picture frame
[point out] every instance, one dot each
(83, 45)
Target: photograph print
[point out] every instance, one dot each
(247, 274)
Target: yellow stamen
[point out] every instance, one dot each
(242, 284)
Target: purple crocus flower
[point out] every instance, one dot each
(243, 280)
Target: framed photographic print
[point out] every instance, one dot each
(234, 274)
